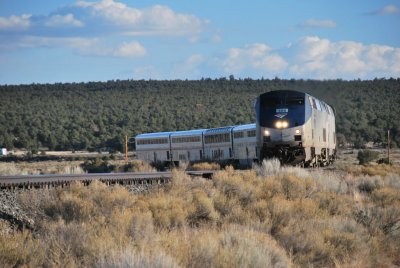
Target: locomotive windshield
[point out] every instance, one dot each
(282, 105)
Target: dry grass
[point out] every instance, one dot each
(270, 216)
(133, 166)
(44, 167)
(372, 170)
(204, 166)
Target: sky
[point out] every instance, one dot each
(48, 41)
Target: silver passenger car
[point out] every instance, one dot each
(153, 147)
(187, 145)
(244, 144)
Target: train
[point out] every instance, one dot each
(292, 126)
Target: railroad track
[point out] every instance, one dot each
(128, 178)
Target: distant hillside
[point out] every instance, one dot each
(98, 114)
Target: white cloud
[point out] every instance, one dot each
(386, 10)
(321, 58)
(15, 22)
(78, 43)
(85, 46)
(256, 57)
(314, 57)
(156, 20)
(312, 23)
(60, 20)
(132, 49)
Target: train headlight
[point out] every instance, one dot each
(266, 132)
(281, 124)
(297, 131)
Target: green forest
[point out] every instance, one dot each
(98, 115)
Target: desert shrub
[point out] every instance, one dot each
(141, 227)
(301, 173)
(392, 180)
(8, 169)
(372, 170)
(237, 219)
(138, 166)
(202, 209)
(72, 169)
(329, 181)
(366, 156)
(97, 166)
(168, 212)
(205, 247)
(368, 184)
(109, 199)
(235, 246)
(294, 187)
(270, 187)
(19, 249)
(180, 178)
(378, 219)
(323, 243)
(235, 186)
(242, 247)
(67, 243)
(333, 203)
(224, 205)
(228, 185)
(131, 258)
(279, 212)
(267, 167)
(259, 210)
(80, 203)
(204, 166)
(385, 196)
(381, 170)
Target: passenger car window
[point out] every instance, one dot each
(318, 105)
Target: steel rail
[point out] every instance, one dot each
(38, 181)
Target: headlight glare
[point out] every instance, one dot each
(281, 124)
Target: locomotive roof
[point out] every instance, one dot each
(291, 93)
(283, 92)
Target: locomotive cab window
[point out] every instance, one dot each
(287, 104)
(295, 101)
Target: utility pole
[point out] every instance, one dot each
(388, 146)
(126, 149)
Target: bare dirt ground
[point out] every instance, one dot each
(345, 159)
(349, 156)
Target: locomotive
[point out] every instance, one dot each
(296, 128)
(292, 126)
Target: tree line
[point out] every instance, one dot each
(95, 115)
